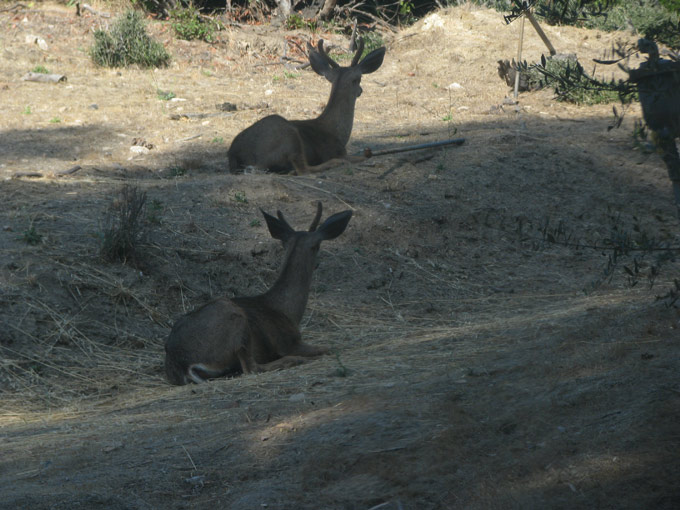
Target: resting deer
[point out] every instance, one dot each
(313, 145)
(254, 334)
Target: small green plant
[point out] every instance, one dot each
(297, 22)
(177, 171)
(448, 117)
(291, 75)
(164, 96)
(127, 44)
(372, 41)
(641, 137)
(189, 24)
(217, 139)
(294, 22)
(154, 212)
(40, 69)
(122, 230)
(341, 370)
(55, 120)
(255, 223)
(240, 197)
(27, 111)
(31, 236)
(406, 14)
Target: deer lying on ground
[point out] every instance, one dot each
(314, 145)
(259, 333)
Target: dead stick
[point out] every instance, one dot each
(540, 32)
(70, 171)
(454, 141)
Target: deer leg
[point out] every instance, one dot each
(248, 363)
(299, 354)
(332, 163)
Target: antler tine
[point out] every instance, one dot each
(315, 223)
(360, 50)
(325, 55)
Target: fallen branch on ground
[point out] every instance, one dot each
(454, 141)
(38, 175)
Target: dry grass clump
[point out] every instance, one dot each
(123, 228)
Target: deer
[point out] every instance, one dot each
(258, 333)
(312, 145)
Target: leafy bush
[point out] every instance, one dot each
(648, 18)
(583, 90)
(671, 5)
(128, 43)
(188, 24)
(570, 82)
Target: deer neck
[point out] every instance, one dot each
(338, 116)
(290, 292)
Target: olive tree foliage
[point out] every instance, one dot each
(390, 11)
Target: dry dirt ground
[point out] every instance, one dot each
(471, 370)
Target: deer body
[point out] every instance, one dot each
(259, 333)
(312, 145)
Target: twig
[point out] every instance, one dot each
(178, 116)
(190, 459)
(18, 175)
(38, 175)
(374, 18)
(15, 6)
(70, 171)
(189, 138)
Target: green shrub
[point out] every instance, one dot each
(571, 83)
(297, 22)
(188, 24)
(372, 41)
(648, 18)
(128, 43)
(671, 5)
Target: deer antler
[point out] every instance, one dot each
(321, 51)
(315, 223)
(360, 50)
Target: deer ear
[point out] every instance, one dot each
(372, 61)
(320, 65)
(335, 225)
(277, 228)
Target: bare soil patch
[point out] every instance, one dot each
(477, 373)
